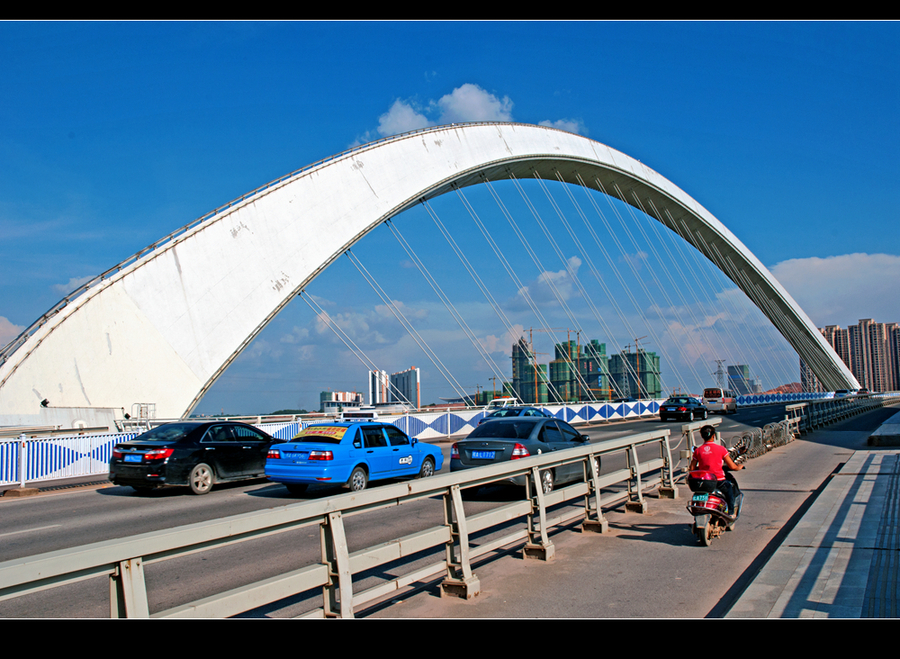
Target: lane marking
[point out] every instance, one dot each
(40, 528)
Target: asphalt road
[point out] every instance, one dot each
(72, 518)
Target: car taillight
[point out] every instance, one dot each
(117, 452)
(158, 454)
(454, 452)
(274, 454)
(519, 451)
(321, 455)
(682, 409)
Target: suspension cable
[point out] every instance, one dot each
(329, 322)
(549, 280)
(407, 325)
(615, 270)
(631, 211)
(443, 297)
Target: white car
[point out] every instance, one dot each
(721, 400)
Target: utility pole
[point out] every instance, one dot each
(720, 374)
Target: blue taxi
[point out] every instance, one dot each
(350, 453)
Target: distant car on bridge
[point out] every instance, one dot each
(682, 407)
(506, 412)
(721, 400)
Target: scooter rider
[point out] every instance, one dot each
(713, 457)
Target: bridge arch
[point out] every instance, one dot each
(163, 326)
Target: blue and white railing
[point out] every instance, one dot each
(35, 459)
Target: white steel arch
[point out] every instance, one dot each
(163, 326)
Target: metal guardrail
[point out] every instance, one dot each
(821, 413)
(123, 561)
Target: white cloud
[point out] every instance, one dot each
(541, 290)
(401, 118)
(502, 344)
(470, 102)
(73, 283)
(840, 290)
(296, 335)
(568, 125)
(636, 260)
(8, 331)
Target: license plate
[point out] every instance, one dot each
(134, 458)
(482, 455)
(700, 497)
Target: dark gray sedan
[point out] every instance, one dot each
(520, 437)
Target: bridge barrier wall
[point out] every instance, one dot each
(52, 458)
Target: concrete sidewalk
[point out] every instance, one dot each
(841, 560)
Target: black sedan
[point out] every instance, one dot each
(514, 410)
(683, 407)
(520, 437)
(193, 453)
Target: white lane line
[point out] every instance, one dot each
(40, 528)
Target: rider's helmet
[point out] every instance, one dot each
(707, 433)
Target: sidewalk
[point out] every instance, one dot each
(841, 560)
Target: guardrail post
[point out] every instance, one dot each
(460, 581)
(23, 441)
(667, 488)
(635, 503)
(336, 556)
(127, 591)
(538, 544)
(593, 515)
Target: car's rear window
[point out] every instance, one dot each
(500, 429)
(326, 434)
(170, 432)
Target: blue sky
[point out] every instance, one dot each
(114, 134)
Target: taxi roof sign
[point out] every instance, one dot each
(359, 416)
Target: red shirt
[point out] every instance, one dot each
(710, 457)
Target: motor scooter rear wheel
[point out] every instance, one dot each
(705, 534)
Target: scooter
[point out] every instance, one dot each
(710, 507)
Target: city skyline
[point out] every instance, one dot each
(870, 349)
